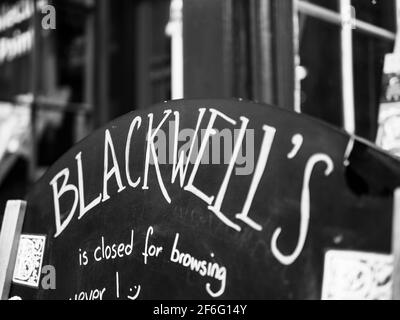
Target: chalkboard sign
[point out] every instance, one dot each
(206, 199)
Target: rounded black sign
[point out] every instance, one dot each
(206, 199)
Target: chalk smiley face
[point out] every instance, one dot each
(136, 295)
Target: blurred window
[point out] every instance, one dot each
(342, 45)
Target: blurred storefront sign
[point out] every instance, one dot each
(16, 42)
(17, 38)
(389, 115)
(14, 122)
(16, 45)
(14, 135)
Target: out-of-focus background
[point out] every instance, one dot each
(104, 58)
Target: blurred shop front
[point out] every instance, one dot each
(37, 91)
(103, 59)
(106, 58)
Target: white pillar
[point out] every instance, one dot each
(348, 24)
(175, 31)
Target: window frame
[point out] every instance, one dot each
(347, 21)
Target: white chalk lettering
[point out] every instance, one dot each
(109, 145)
(210, 131)
(113, 251)
(151, 149)
(57, 194)
(260, 168)
(216, 208)
(203, 267)
(136, 123)
(150, 251)
(179, 166)
(305, 211)
(83, 209)
(96, 294)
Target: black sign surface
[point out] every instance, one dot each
(264, 195)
